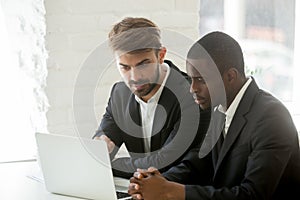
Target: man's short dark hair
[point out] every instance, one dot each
(224, 51)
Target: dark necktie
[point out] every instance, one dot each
(221, 137)
(212, 140)
(220, 143)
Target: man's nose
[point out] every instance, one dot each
(135, 74)
(193, 87)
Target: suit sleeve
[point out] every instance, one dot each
(109, 127)
(191, 169)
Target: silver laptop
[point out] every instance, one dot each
(77, 167)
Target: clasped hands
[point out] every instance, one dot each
(151, 185)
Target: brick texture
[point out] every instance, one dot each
(75, 28)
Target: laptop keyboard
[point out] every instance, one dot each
(121, 195)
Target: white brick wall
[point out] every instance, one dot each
(76, 27)
(26, 28)
(23, 76)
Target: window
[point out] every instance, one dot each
(266, 31)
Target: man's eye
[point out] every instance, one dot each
(200, 79)
(142, 66)
(125, 68)
(145, 65)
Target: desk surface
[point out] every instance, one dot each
(16, 185)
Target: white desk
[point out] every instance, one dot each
(15, 185)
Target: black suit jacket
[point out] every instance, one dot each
(259, 159)
(174, 129)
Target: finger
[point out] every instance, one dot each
(138, 175)
(102, 137)
(134, 180)
(111, 145)
(142, 173)
(134, 187)
(141, 170)
(137, 196)
(97, 138)
(152, 170)
(105, 138)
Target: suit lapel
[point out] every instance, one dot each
(135, 114)
(238, 122)
(162, 113)
(166, 104)
(134, 110)
(233, 132)
(160, 118)
(213, 134)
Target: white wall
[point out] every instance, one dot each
(76, 27)
(23, 103)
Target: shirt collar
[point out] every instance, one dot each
(233, 106)
(229, 113)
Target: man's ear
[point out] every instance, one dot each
(231, 75)
(161, 54)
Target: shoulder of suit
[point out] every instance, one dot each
(120, 88)
(174, 67)
(256, 98)
(119, 84)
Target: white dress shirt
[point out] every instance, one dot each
(232, 108)
(148, 110)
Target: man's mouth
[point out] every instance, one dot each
(199, 99)
(139, 86)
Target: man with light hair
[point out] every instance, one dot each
(151, 110)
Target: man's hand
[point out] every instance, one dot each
(142, 173)
(151, 185)
(110, 144)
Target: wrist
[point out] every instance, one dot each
(174, 191)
